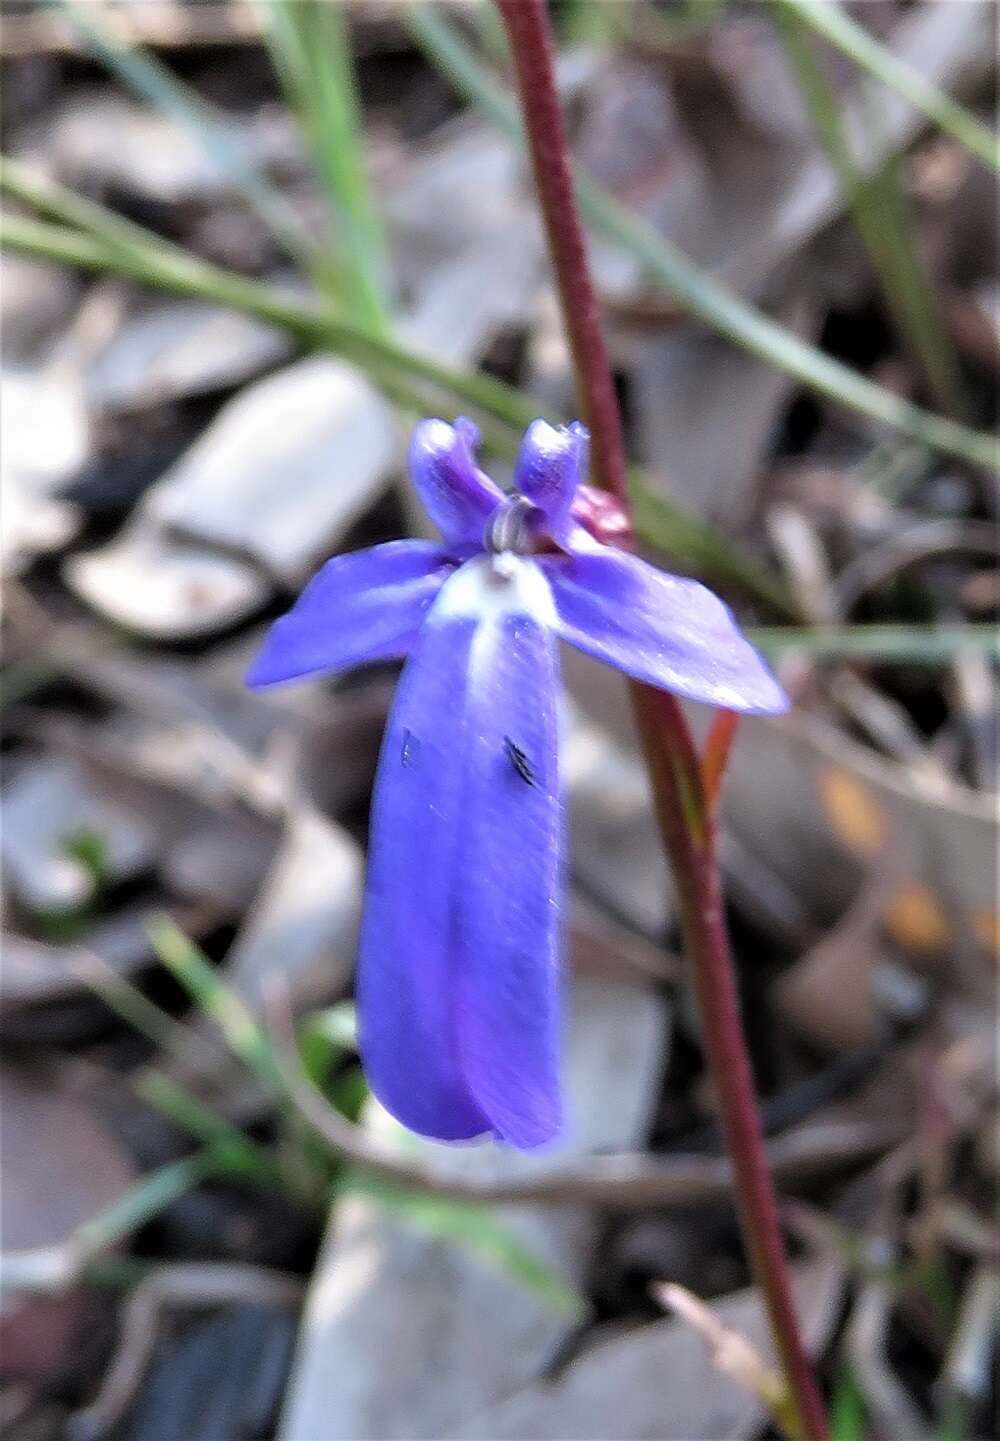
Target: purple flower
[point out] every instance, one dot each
(459, 963)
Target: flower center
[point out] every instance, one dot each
(510, 528)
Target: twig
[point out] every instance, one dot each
(623, 1182)
(732, 1353)
(183, 1283)
(165, 26)
(918, 542)
(128, 1001)
(967, 1368)
(892, 1411)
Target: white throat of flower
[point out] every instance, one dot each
(490, 589)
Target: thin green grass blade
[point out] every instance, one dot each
(337, 1025)
(585, 22)
(830, 21)
(146, 76)
(917, 297)
(882, 216)
(693, 542)
(422, 384)
(697, 292)
(249, 1042)
(919, 645)
(425, 386)
(127, 1001)
(891, 470)
(234, 1153)
(325, 1038)
(476, 1229)
(57, 203)
(665, 29)
(847, 1408)
(309, 45)
(153, 1194)
(209, 992)
(312, 323)
(754, 331)
(955, 1423)
(491, 33)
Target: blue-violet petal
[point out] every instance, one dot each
(458, 987)
(670, 632)
(363, 607)
(455, 493)
(551, 463)
(508, 937)
(406, 985)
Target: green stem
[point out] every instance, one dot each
(315, 324)
(830, 21)
(881, 215)
(152, 1194)
(68, 208)
(159, 87)
(309, 47)
(234, 1153)
(921, 645)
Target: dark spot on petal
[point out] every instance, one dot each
(519, 761)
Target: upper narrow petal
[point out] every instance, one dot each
(551, 463)
(406, 978)
(507, 925)
(362, 607)
(456, 494)
(668, 631)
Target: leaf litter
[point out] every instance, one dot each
(859, 833)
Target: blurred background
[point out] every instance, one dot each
(245, 246)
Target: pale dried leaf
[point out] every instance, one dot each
(381, 1289)
(615, 851)
(706, 412)
(46, 436)
(177, 349)
(660, 1383)
(49, 1191)
(98, 139)
(950, 55)
(818, 806)
(455, 316)
(44, 806)
(284, 469)
(33, 525)
(303, 924)
(164, 588)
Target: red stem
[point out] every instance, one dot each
(692, 850)
(715, 756)
(684, 792)
(531, 44)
